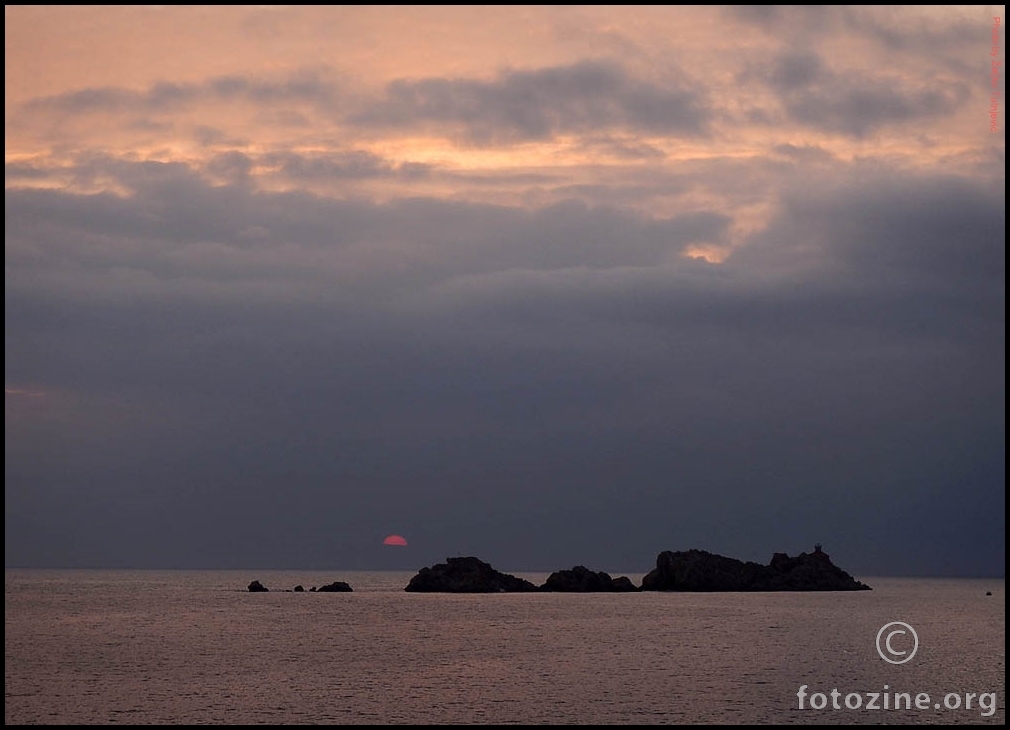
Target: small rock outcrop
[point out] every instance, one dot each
(335, 587)
(582, 580)
(466, 575)
(257, 587)
(701, 571)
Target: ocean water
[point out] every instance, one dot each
(195, 647)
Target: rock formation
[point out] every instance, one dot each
(466, 575)
(701, 571)
(687, 571)
(582, 580)
(335, 587)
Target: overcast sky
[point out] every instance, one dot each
(549, 286)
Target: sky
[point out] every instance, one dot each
(544, 285)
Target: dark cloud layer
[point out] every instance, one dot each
(231, 378)
(814, 95)
(166, 96)
(517, 105)
(538, 104)
(894, 32)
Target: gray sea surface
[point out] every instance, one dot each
(195, 647)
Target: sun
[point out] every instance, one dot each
(394, 540)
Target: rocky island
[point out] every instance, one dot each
(337, 586)
(466, 575)
(696, 571)
(701, 571)
(687, 571)
(582, 580)
(472, 575)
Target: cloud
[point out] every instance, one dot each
(539, 104)
(932, 36)
(913, 259)
(807, 153)
(352, 164)
(595, 97)
(851, 103)
(166, 96)
(897, 29)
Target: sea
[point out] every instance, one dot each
(117, 647)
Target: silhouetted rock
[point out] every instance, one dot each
(582, 580)
(257, 587)
(335, 587)
(699, 571)
(466, 575)
(299, 589)
(624, 585)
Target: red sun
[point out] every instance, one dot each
(394, 540)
